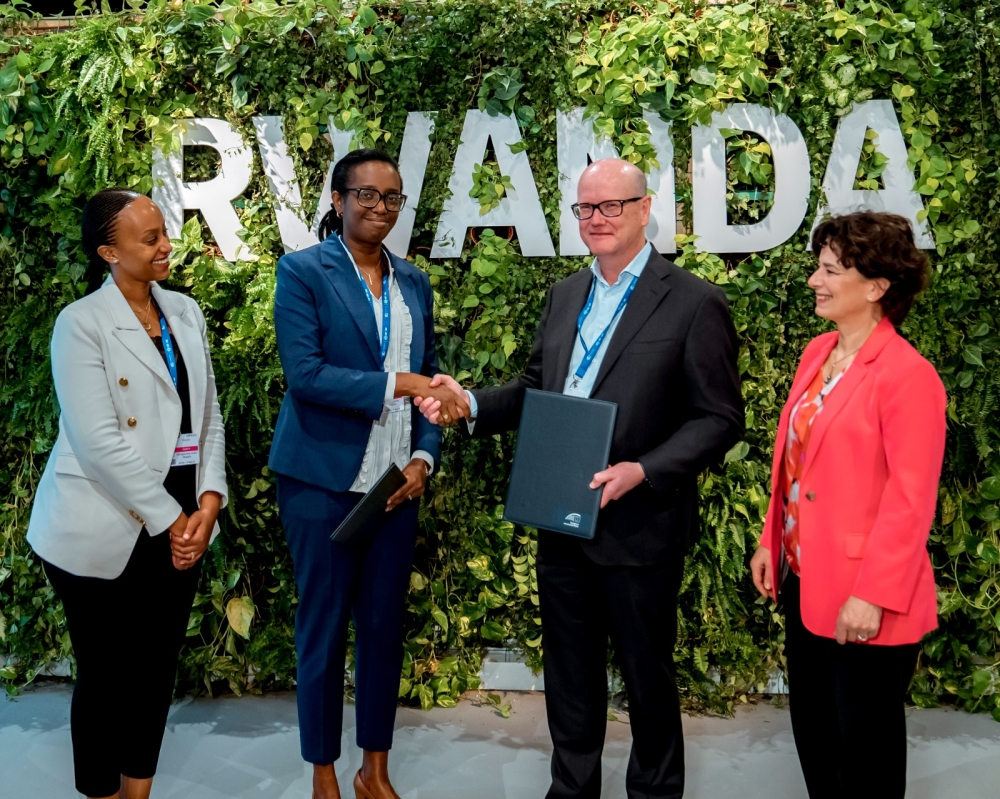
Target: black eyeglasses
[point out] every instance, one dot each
(607, 208)
(369, 198)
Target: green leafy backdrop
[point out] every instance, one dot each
(81, 109)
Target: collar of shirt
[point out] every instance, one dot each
(385, 252)
(634, 268)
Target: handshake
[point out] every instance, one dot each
(440, 399)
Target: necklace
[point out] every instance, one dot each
(368, 277)
(144, 317)
(833, 366)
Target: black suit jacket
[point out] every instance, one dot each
(671, 368)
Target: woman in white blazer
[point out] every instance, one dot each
(129, 498)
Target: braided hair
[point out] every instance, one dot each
(100, 217)
(332, 222)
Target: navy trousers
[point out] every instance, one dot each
(366, 581)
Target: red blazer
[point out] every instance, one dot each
(868, 489)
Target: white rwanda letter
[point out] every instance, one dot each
(212, 197)
(791, 181)
(280, 171)
(520, 208)
(341, 142)
(278, 165)
(898, 196)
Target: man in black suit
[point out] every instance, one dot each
(636, 330)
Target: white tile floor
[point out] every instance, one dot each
(233, 748)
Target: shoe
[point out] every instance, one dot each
(360, 789)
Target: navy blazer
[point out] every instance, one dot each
(329, 349)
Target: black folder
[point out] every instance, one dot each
(562, 443)
(369, 513)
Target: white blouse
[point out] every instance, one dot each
(392, 434)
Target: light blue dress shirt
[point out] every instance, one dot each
(606, 299)
(602, 314)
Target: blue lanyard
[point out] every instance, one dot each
(386, 311)
(386, 303)
(168, 348)
(589, 353)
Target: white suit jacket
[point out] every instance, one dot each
(120, 416)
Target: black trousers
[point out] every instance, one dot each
(846, 703)
(583, 604)
(126, 635)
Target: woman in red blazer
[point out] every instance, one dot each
(854, 487)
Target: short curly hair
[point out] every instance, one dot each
(879, 245)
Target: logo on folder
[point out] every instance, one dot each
(573, 520)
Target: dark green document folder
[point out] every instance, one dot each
(561, 444)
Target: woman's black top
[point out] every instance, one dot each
(181, 481)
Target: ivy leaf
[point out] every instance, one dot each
(508, 88)
(240, 92)
(989, 489)
(493, 631)
(981, 682)
(973, 354)
(438, 615)
(199, 14)
(480, 568)
(240, 612)
(703, 75)
(417, 581)
(305, 140)
(737, 453)
(988, 552)
(366, 18)
(426, 696)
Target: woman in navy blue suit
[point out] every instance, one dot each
(355, 333)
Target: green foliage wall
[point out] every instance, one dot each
(80, 110)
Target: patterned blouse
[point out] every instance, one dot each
(799, 432)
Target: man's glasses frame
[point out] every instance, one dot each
(374, 197)
(608, 208)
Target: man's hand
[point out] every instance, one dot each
(441, 406)
(618, 480)
(415, 473)
(188, 543)
(858, 620)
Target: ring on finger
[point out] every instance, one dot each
(862, 638)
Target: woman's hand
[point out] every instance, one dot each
(858, 620)
(175, 531)
(447, 397)
(415, 473)
(760, 571)
(187, 545)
